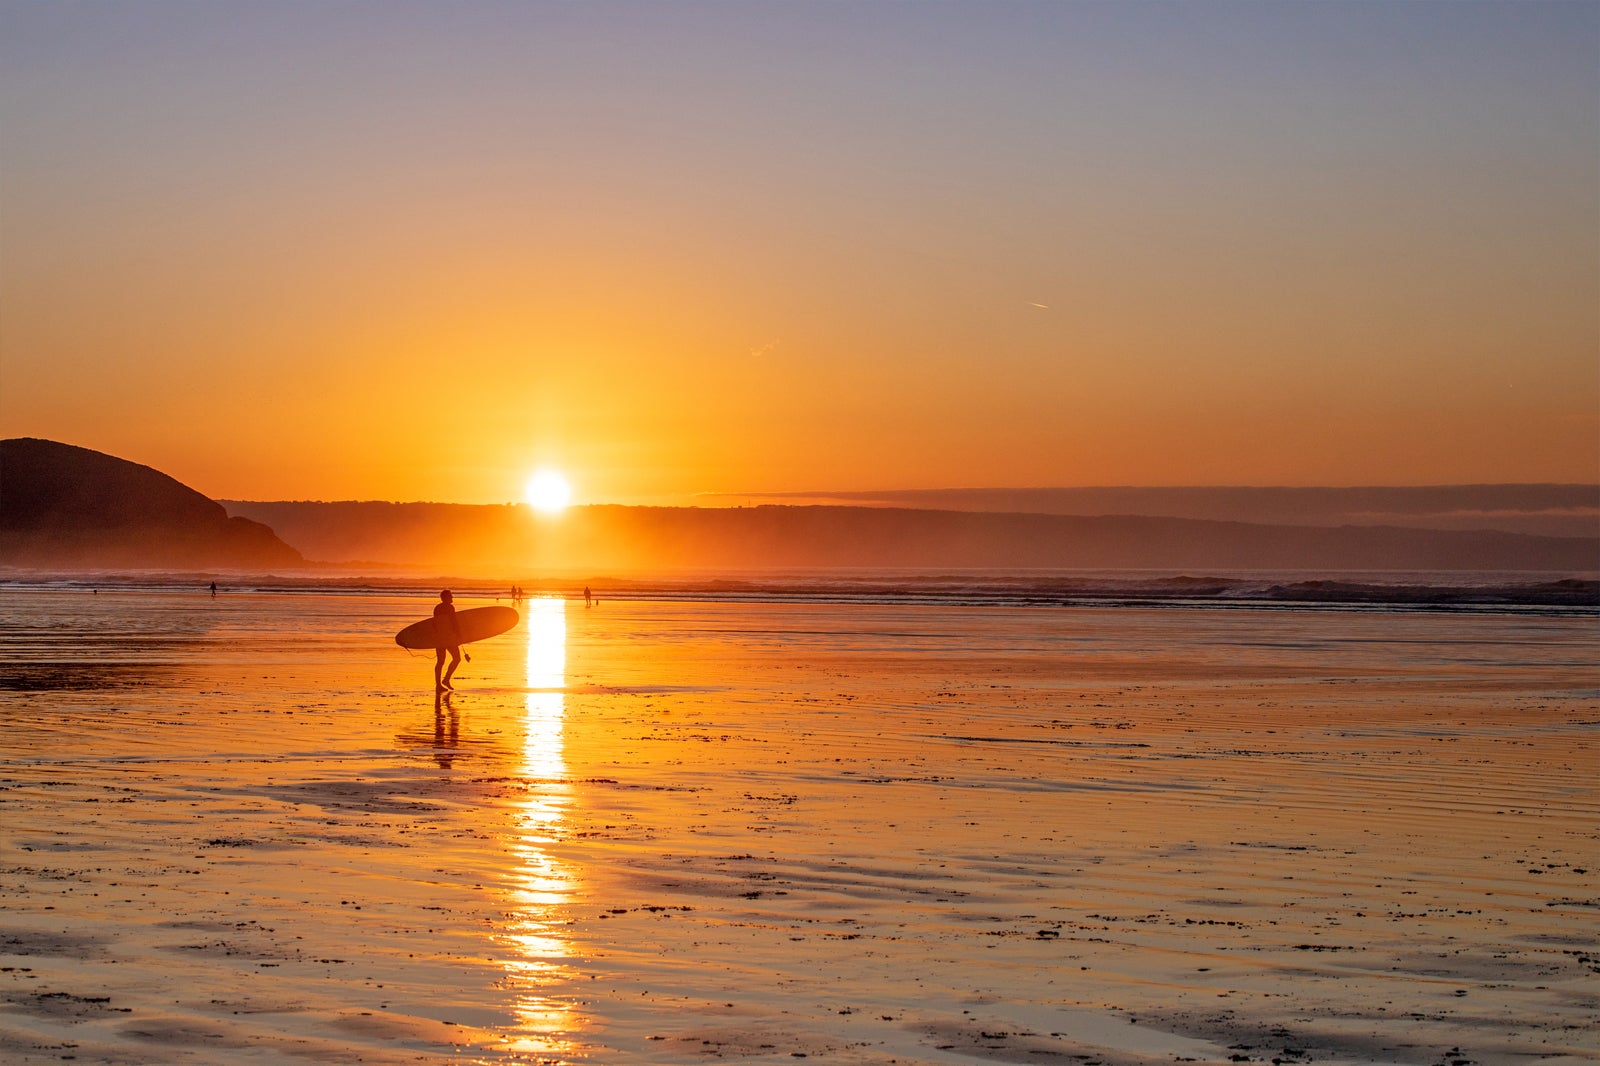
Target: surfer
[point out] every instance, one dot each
(444, 618)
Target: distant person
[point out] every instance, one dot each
(588, 597)
(213, 588)
(444, 620)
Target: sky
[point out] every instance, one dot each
(413, 251)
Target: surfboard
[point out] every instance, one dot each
(475, 623)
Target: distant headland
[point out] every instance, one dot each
(65, 507)
(489, 539)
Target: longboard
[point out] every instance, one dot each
(475, 623)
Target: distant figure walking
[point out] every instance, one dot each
(588, 597)
(213, 588)
(444, 618)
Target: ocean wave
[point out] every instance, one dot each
(1445, 590)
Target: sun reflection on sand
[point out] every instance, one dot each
(541, 883)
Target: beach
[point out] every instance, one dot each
(242, 829)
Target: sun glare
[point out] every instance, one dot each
(548, 491)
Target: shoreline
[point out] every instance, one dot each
(1430, 590)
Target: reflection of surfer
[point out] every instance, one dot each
(446, 729)
(444, 620)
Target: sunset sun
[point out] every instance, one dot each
(548, 491)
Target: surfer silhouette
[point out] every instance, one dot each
(444, 618)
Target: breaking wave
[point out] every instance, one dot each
(1390, 590)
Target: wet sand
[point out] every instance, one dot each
(238, 830)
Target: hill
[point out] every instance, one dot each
(512, 539)
(1552, 510)
(72, 508)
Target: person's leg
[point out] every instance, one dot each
(455, 661)
(438, 669)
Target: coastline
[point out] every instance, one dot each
(1300, 589)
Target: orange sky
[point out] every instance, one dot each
(293, 252)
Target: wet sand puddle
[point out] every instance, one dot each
(674, 832)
